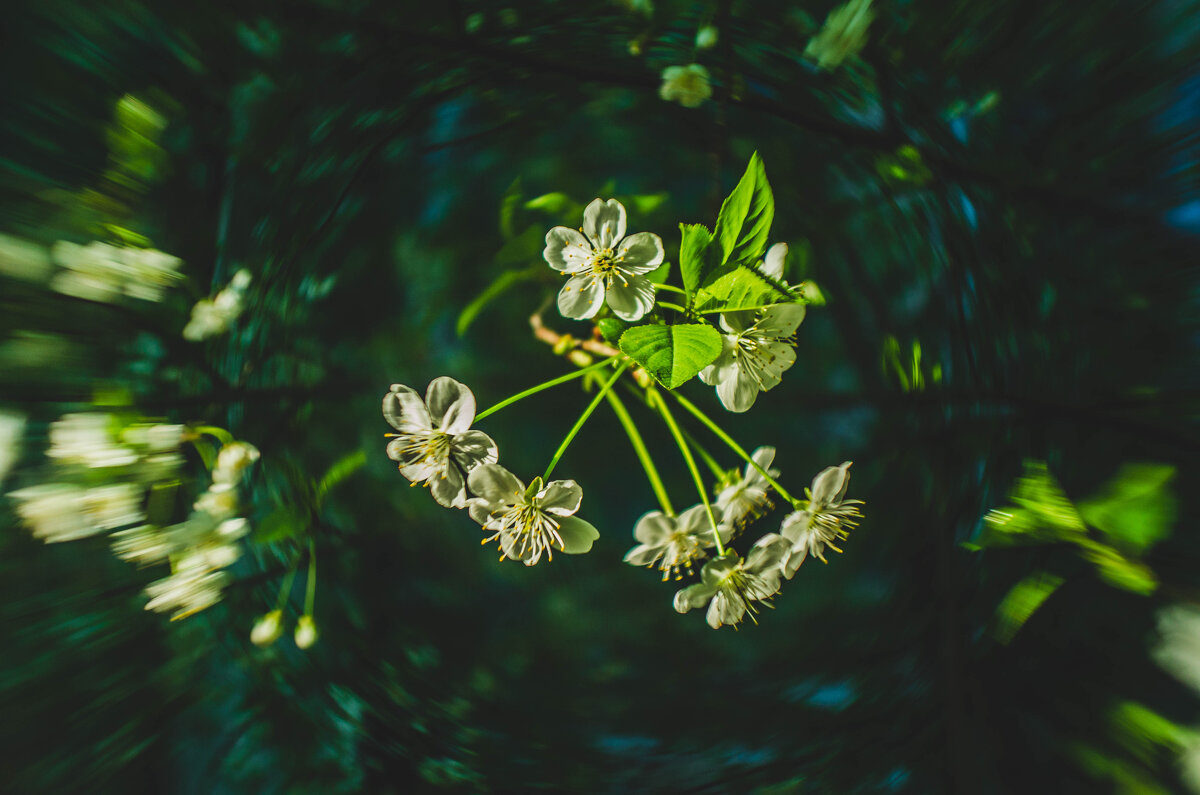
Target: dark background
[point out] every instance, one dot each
(355, 157)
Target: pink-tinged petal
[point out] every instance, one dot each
(604, 222)
(640, 253)
(633, 300)
(405, 411)
(567, 250)
(451, 403)
(561, 498)
(581, 297)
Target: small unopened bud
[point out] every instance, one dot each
(565, 343)
(306, 632)
(644, 380)
(579, 358)
(706, 37)
(267, 629)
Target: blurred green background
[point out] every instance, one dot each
(999, 203)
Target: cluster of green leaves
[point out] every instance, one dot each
(1131, 513)
(720, 273)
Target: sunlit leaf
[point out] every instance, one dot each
(672, 354)
(746, 215)
(1022, 601)
(1135, 508)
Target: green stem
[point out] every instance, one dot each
(310, 587)
(661, 404)
(739, 309)
(643, 454)
(670, 288)
(716, 469)
(562, 448)
(533, 390)
(669, 305)
(286, 590)
(737, 448)
(223, 436)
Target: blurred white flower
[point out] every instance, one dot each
(687, 85)
(214, 316)
(59, 512)
(220, 501)
(88, 440)
(23, 259)
(233, 460)
(604, 266)
(1178, 646)
(267, 629)
(306, 632)
(101, 272)
(843, 35)
(706, 38)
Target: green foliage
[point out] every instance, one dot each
(695, 259)
(612, 328)
(1135, 509)
(1022, 602)
(745, 218)
(672, 354)
(502, 284)
(731, 288)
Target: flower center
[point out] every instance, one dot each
(426, 447)
(605, 266)
(744, 589)
(524, 531)
(682, 549)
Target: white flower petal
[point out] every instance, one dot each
(448, 488)
(561, 498)
(581, 297)
(633, 300)
(781, 320)
(773, 262)
(604, 222)
(451, 404)
(640, 253)
(654, 528)
(643, 555)
(693, 596)
(496, 484)
(567, 250)
(577, 535)
(739, 392)
(405, 411)
(472, 448)
(773, 358)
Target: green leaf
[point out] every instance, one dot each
(695, 262)
(281, 523)
(738, 287)
(1022, 602)
(1119, 570)
(612, 328)
(502, 283)
(343, 468)
(672, 354)
(1041, 513)
(1135, 508)
(508, 207)
(746, 215)
(660, 274)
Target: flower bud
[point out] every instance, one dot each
(306, 632)
(233, 459)
(267, 629)
(579, 358)
(706, 37)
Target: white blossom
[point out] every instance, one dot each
(12, 428)
(758, 348)
(604, 266)
(101, 272)
(215, 316)
(746, 498)
(233, 459)
(674, 542)
(527, 522)
(731, 585)
(687, 85)
(435, 446)
(826, 521)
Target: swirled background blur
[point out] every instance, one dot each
(997, 200)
